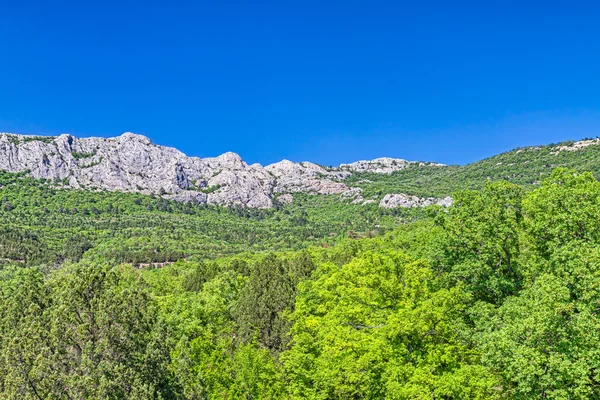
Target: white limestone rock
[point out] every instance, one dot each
(351, 193)
(383, 165)
(189, 196)
(407, 201)
(582, 144)
(305, 177)
(132, 163)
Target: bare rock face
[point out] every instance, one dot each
(582, 144)
(384, 165)
(306, 177)
(189, 196)
(406, 201)
(351, 194)
(354, 196)
(132, 163)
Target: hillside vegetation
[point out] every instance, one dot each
(107, 295)
(525, 166)
(43, 224)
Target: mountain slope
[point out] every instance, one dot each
(525, 166)
(48, 221)
(132, 163)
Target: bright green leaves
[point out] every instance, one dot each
(496, 297)
(543, 344)
(523, 267)
(376, 328)
(481, 246)
(212, 359)
(543, 340)
(24, 336)
(564, 209)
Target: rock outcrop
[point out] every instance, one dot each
(407, 201)
(354, 196)
(384, 165)
(306, 177)
(132, 163)
(582, 144)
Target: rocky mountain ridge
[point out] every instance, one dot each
(131, 162)
(383, 165)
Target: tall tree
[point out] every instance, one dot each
(377, 328)
(89, 332)
(481, 246)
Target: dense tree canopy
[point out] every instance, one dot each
(496, 297)
(88, 331)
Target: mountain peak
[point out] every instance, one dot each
(135, 136)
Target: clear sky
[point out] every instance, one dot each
(324, 81)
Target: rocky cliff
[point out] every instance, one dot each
(395, 200)
(384, 165)
(131, 162)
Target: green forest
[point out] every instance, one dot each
(108, 295)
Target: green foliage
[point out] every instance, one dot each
(92, 164)
(564, 209)
(481, 245)
(210, 189)
(139, 229)
(543, 344)
(121, 295)
(81, 155)
(268, 295)
(378, 328)
(45, 139)
(71, 336)
(526, 166)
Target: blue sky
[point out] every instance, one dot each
(324, 81)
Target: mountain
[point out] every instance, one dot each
(111, 288)
(132, 163)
